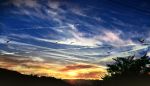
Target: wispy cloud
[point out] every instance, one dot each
(41, 68)
(65, 33)
(134, 51)
(113, 38)
(27, 3)
(54, 4)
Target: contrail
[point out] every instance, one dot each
(38, 28)
(126, 53)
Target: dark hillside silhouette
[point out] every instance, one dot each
(12, 78)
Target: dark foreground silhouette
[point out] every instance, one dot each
(12, 78)
(128, 71)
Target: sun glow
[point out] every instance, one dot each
(72, 73)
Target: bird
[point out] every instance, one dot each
(109, 52)
(71, 42)
(7, 41)
(141, 40)
(110, 49)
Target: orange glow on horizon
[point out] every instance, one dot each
(72, 74)
(70, 71)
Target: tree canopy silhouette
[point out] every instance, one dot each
(128, 67)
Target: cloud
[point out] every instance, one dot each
(106, 37)
(77, 66)
(77, 10)
(94, 75)
(148, 53)
(38, 59)
(70, 35)
(120, 22)
(2, 52)
(40, 68)
(35, 9)
(133, 51)
(41, 53)
(54, 4)
(77, 38)
(113, 38)
(27, 3)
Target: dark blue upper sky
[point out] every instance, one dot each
(70, 29)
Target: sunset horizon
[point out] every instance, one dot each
(72, 39)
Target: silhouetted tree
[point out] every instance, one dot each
(128, 67)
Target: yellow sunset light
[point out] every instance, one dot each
(72, 73)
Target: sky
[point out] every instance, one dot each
(71, 39)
